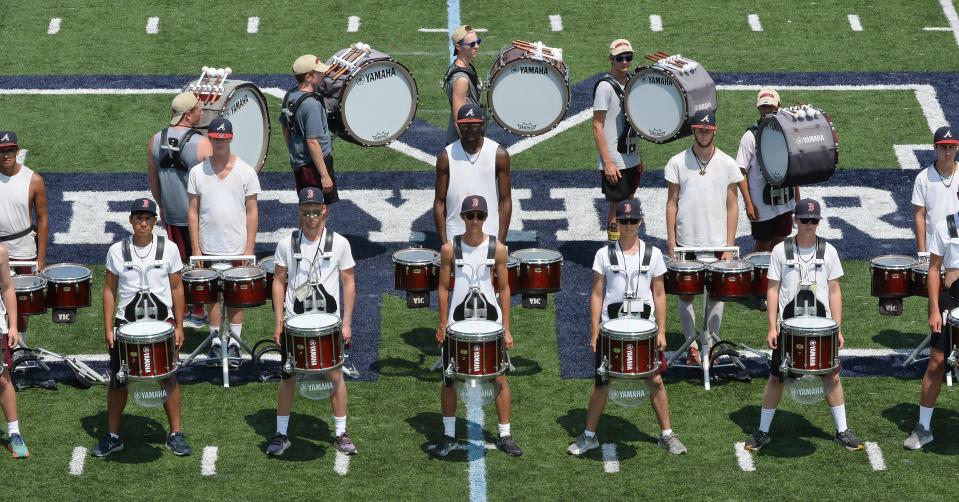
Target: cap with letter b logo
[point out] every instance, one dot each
(474, 203)
(143, 205)
(311, 195)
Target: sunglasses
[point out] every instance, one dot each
(8, 151)
(623, 58)
(474, 215)
(472, 44)
(629, 221)
(807, 221)
(312, 212)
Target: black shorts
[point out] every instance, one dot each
(940, 341)
(626, 187)
(778, 226)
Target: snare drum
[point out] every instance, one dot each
(243, 105)
(660, 99)
(414, 269)
(147, 349)
(760, 261)
(811, 343)
(918, 276)
(477, 348)
(730, 280)
(313, 342)
(797, 146)
(268, 265)
(68, 286)
(685, 277)
(890, 276)
(539, 270)
(628, 345)
(31, 294)
(244, 287)
(528, 91)
(201, 286)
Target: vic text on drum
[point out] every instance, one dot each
(223, 216)
(142, 287)
(805, 318)
(23, 214)
(461, 84)
(310, 266)
(617, 144)
(306, 131)
(702, 210)
(628, 285)
(8, 340)
(935, 193)
(473, 257)
(473, 165)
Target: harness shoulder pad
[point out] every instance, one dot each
(647, 257)
(612, 81)
(491, 252)
(458, 251)
(613, 258)
(158, 257)
(127, 257)
(789, 246)
(820, 249)
(295, 239)
(951, 223)
(328, 245)
(470, 74)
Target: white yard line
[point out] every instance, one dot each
(566, 124)
(754, 23)
(410, 151)
(875, 456)
(353, 24)
(610, 460)
(253, 24)
(22, 156)
(77, 460)
(445, 30)
(854, 22)
(937, 28)
(208, 463)
(950, 12)
(655, 23)
(556, 22)
(341, 465)
(744, 458)
(153, 25)
(476, 452)
(54, 26)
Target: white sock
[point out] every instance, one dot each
(216, 336)
(282, 424)
(925, 417)
(114, 436)
(504, 430)
(766, 419)
(589, 434)
(666, 432)
(339, 425)
(13, 427)
(237, 330)
(714, 317)
(687, 317)
(839, 416)
(449, 426)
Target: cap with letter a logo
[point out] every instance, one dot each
(470, 112)
(703, 119)
(945, 136)
(8, 139)
(474, 203)
(220, 128)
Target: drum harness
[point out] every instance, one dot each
(805, 302)
(626, 142)
(290, 108)
(173, 148)
(315, 298)
(475, 305)
(145, 305)
(469, 72)
(625, 308)
(773, 196)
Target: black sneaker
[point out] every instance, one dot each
(444, 446)
(176, 443)
(756, 442)
(107, 445)
(508, 446)
(233, 352)
(214, 354)
(849, 440)
(278, 445)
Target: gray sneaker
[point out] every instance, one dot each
(176, 443)
(919, 438)
(444, 446)
(344, 444)
(756, 442)
(233, 353)
(672, 444)
(849, 440)
(214, 354)
(582, 445)
(278, 445)
(508, 445)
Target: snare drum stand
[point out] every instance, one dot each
(707, 339)
(225, 333)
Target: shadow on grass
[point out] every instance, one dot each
(143, 437)
(894, 339)
(579, 254)
(430, 426)
(788, 431)
(310, 436)
(422, 339)
(612, 429)
(945, 424)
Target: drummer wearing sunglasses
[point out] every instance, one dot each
(461, 83)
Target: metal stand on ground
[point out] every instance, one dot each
(914, 355)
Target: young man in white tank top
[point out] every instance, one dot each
(475, 246)
(474, 165)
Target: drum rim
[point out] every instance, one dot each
(538, 261)
(186, 277)
(399, 261)
(257, 276)
(166, 334)
(346, 91)
(629, 116)
(716, 267)
(695, 266)
(953, 320)
(808, 330)
(612, 334)
(491, 77)
(873, 264)
(71, 280)
(767, 254)
(462, 336)
(240, 84)
(41, 285)
(313, 331)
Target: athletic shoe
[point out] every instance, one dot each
(582, 445)
(194, 321)
(107, 445)
(756, 442)
(507, 445)
(215, 353)
(762, 305)
(444, 446)
(612, 231)
(849, 440)
(919, 438)
(344, 444)
(672, 444)
(233, 352)
(278, 445)
(17, 447)
(176, 443)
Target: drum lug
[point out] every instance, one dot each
(122, 373)
(953, 357)
(288, 366)
(449, 371)
(602, 370)
(784, 366)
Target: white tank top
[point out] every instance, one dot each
(472, 175)
(474, 259)
(15, 213)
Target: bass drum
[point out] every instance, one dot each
(660, 99)
(797, 146)
(243, 105)
(527, 96)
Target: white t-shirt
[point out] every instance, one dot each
(628, 265)
(748, 161)
(930, 191)
(129, 279)
(701, 217)
(790, 277)
(223, 206)
(607, 100)
(325, 271)
(944, 246)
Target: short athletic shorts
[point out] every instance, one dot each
(780, 226)
(626, 187)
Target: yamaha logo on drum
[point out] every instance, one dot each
(629, 357)
(813, 352)
(314, 359)
(815, 138)
(476, 357)
(531, 70)
(377, 75)
(147, 360)
(652, 79)
(240, 103)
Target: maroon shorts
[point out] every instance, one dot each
(779, 226)
(181, 237)
(309, 176)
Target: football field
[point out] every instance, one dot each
(85, 84)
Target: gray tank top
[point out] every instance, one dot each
(173, 181)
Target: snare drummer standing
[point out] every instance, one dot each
(306, 131)
(320, 259)
(223, 216)
(461, 83)
(8, 339)
(129, 262)
(617, 144)
(935, 193)
(474, 246)
(610, 287)
(807, 284)
(702, 210)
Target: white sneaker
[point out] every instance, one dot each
(919, 438)
(582, 445)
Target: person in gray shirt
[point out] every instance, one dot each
(461, 84)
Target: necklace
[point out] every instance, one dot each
(704, 165)
(951, 175)
(144, 255)
(473, 157)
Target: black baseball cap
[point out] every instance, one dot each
(628, 210)
(808, 208)
(220, 128)
(143, 205)
(474, 203)
(312, 195)
(8, 139)
(703, 119)
(470, 112)
(943, 136)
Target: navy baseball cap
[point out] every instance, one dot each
(8, 139)
(808, 208)
(220, 128)
(628, 210)
(143, 205)
(470, 113)
(474, 203)
(703, 119)
(943, 136)
(312, 195)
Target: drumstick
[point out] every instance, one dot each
(661, 54)
(652, 58)
(336, 66)
(351, 56)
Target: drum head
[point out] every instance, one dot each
(731, 266)
(243, 105)
(685, 266)
(655, 105)
(145, 331)
(268, 264)
(537, 256)
(22, 283)
(379, 103)
(772, 150)
(243, 273)
(630, 326)
(921, 268)
(200, 274)
(953, 318)
(311, 321)
(480, 329)
(759, 260)
(66, 272)
(528, 97)
(415, 256)
(894, 262)
(810, 323)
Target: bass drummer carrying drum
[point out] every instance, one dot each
(461, 83)
(628, 280)
(144, 270)
(804, 274)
